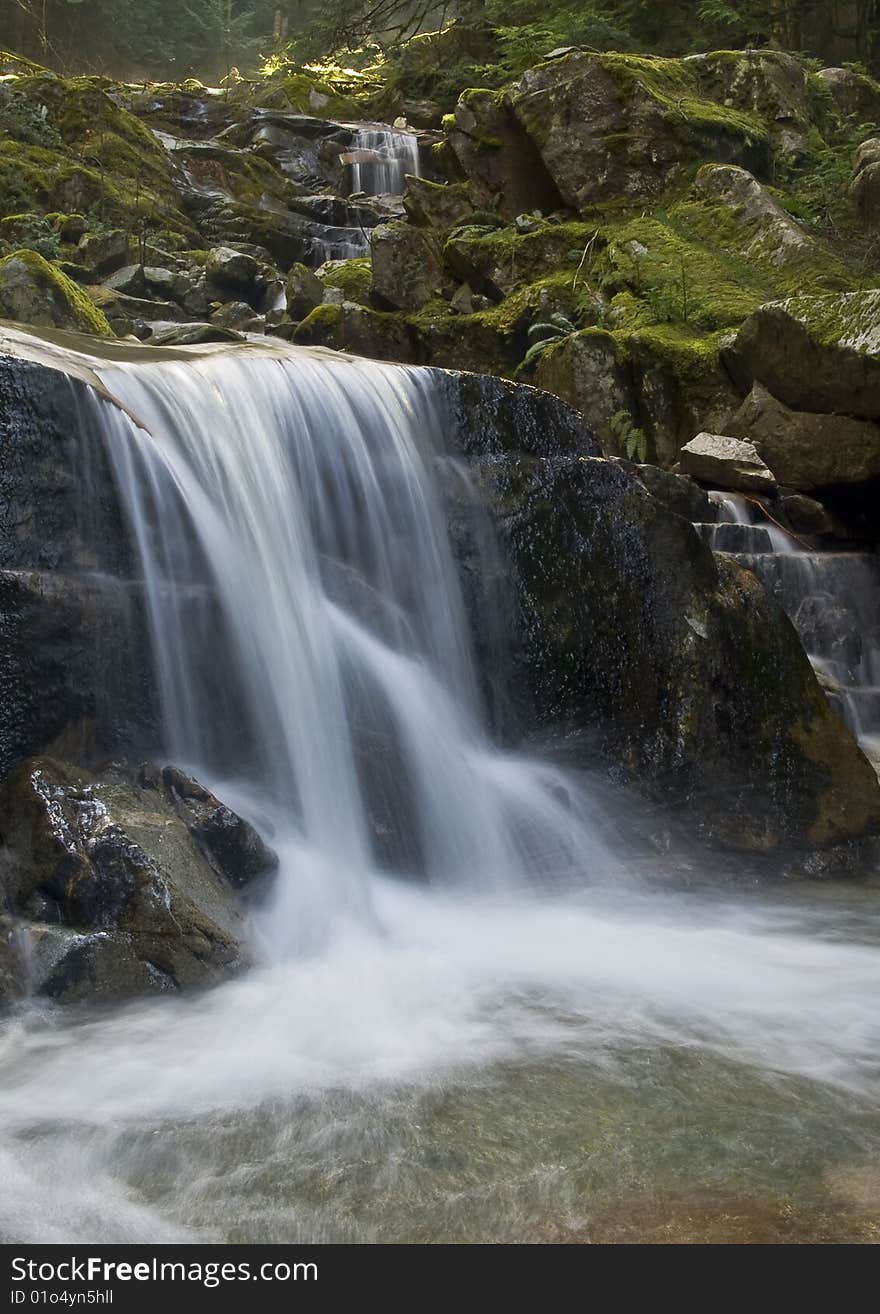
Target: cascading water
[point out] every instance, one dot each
(374, 1076)
(380, 158)
(832, 599)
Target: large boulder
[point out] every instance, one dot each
(815, 353)
(854, 94)
(34, 291)
(609, 126)
(124, 882)
(807, 450)
(769, 83)
(771, 235)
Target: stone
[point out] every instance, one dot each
(853, 93)
(105, 252)
(866, 183)
(814, 353)
(588, 371)
(303, 291)
(462, 301)
(632, 645)
(725, 462)
(232, 269)
(237, 315)
(771, 84)
(774, 237)
(122, 886)
(34, 291)
(499, 157)
(129, 279)
(192, 335)
(407, 266)
(436, 205)
(807, 450)
(806, 515)
(678, 493)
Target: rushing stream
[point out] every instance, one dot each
(473, 1018)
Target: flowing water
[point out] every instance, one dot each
(473, 1018)
(831, 597)
(381, 158)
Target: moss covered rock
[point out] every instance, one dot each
(613, 126)
(34, 291)
(500, 158)
(407, 266)
(815, 353)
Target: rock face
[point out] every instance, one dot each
(815, 353)
(124, 883)
(648, 652)
(775, 237)
(726, 462)
(501, 161)
(806, 450)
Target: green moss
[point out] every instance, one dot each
(353, 277)
(850, 319)
(76, 305)
(675, 87)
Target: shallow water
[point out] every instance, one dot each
(659, 1067)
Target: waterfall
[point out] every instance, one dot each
(380, 158)
(308, 627)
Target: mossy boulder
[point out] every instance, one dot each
(353, 278)
(815, 353)
(437, 205)
(611, 126)
(854, 93)
(35, 291)
(771, 84)
(866, 183)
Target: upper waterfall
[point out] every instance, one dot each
(307, 621)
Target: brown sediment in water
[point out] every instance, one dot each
(724, 1219)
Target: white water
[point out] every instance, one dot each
(832, 600)
(380, 160)
(331, 682)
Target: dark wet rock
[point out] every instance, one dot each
(124, 888)
(725, 462)
(673, 666)
(807, 450)
(806, 515)
(128, 315)
(677, 492)
(231, 843)
(237, 315)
